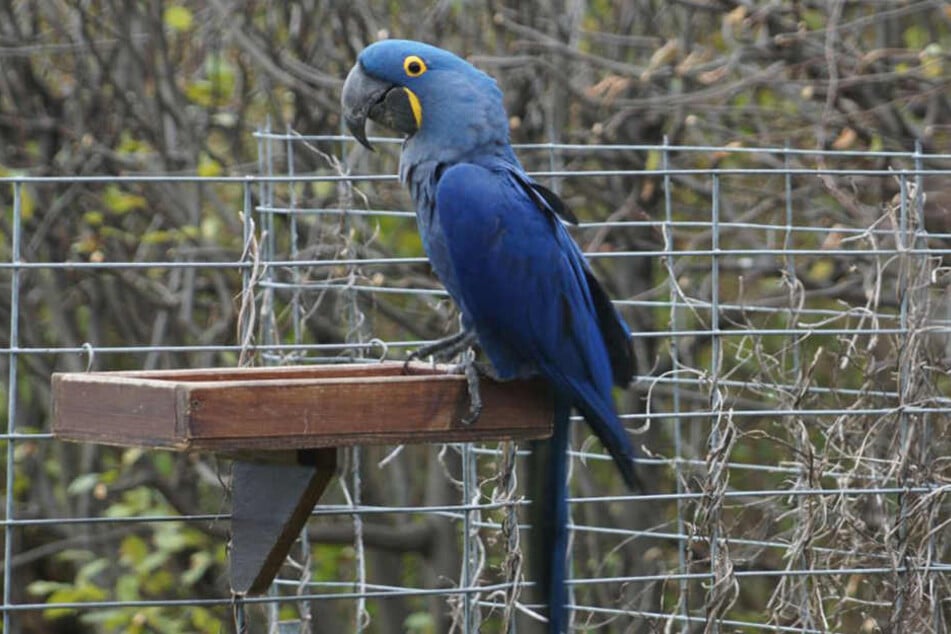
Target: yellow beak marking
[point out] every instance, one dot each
(415, 105)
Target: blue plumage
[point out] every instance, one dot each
(495, 240)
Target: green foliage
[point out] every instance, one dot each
(167, 559)
(144, 569)
(178, 18)
(217, 87)
(27, 198)
(419, 623)
(121, 202)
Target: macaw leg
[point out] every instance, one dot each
(446, 348)
(475, 396)
(472, 369)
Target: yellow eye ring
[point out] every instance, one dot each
(414, 66)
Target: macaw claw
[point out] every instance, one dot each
(445, 348)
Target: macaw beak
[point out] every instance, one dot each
(366, 97)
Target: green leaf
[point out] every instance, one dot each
(131, 455)
(127, 588)
(133, 550)
(163, 462)
(111, 620)
(74, 555)
(72, 594)
(178, 18)
(169, 537)
(88, 571)
(198, 566)
(205, 621)
(93, 218)
(159, 236)
(916, 37)
(42, 587)
(130, 146)
(120, 509)
(152, 561)
(932, 61)
(220, 73)
(814, 18)
(199, 92)
(120, 202)
(208, 166)
(419, 623)
(158, 582)
(83, 484)
(162, 623)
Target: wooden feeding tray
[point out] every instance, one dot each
(302, 411)
(292, 407)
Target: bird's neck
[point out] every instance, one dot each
(421, 166)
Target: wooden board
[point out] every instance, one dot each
(291, 407)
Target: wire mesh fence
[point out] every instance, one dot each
(792, 325)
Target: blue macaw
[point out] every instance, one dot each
(494, 238)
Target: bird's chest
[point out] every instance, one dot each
(422, 186)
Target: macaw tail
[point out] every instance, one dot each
(548, 487)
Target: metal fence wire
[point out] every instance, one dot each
(791, 312)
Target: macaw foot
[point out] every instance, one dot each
(472, 383)
(472, 370)
(445, 348)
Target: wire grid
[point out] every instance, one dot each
(792, 396)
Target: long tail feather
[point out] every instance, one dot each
(600, 415)
(548, 487)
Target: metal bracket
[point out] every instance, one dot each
(270, 506)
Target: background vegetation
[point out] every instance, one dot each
(163, 87)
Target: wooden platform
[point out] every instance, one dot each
(283, 425)
(291, 407)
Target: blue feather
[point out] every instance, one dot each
(495, 239)
(548, 515)
(525, 288)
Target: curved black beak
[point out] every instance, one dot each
(365, 96)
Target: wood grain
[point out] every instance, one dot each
(291, 407)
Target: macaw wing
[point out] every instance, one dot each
(546, 198)
(616, 334)
(527, 292)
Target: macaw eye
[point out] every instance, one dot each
(414, 66)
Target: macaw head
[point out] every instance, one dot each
(443, 104)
